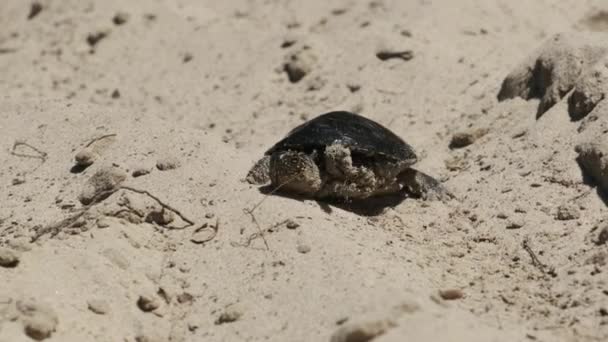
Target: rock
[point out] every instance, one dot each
(98, 306)
(39, 321)
(103, 223)
(86, 157)
(362, 331)
(515, 224)
(451, 294)
(466, 138)
(231, 314)
(386, 54)
(291, 224)
(148, 303)
(303, 248)
(102, 184)
(168, 163)
(120, 18)
(140, 171)
(551, 72)
(589, 90)
(160, 216)
(94, 38)
(35, 9)
(299, 63)
(8, 258)
(593, 159)
(567, 212)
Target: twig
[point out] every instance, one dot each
(92, 141)
(203, 227)
(41, 154)
(535, 261)
(55, 228)
(163, 204)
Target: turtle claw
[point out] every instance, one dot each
(418, 184)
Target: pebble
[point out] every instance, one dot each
(8, 258)
(230, 314)
(291, 224)
(593, 158)
(451, 294)
(86, 157)
(299, 64)
(103, 223)
(148, 303)
(120, 18)
(567, 212)
(362, 331)
(168, 163)
(98, 306)
(105, 180)
(466, 138)
(140, 171)
(515, 224)
(39, 322)
(303, 248)
(160, 216)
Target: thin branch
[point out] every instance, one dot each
(535, 261)
(40, 154)
(163, 204)
(92, 141)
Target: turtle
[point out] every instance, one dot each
(343, 155)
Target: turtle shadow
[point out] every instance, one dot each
(363, 207)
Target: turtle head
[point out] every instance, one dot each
(295, 171)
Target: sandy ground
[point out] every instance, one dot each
(200, 90)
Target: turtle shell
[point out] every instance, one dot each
(361, 135)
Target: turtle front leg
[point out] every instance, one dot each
(420, 185)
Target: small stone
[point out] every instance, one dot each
(304, 249)
(451, 294)
(169, 163)
(95, 37)
(115, 94)
(98, 306)
(362, 331)
(103, 223)
(148, 303)
(102, 184)
(35, 9)
(567, 212)
(18, 181)
(230, 314)
(502, 216)
(160, 216)
(291, 224)
(86, 157)
(299, 64)
(39, 321)
(466, 138)
(140, 171)
(515, 224)
(8, 258)
(593, 159)
(385, 55)
(120, 18)
(185, 298)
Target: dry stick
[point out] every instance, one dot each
(535, 261)
(56, 227)
(41, 154)
(164, 205)
(91, 142)
(249, 212)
